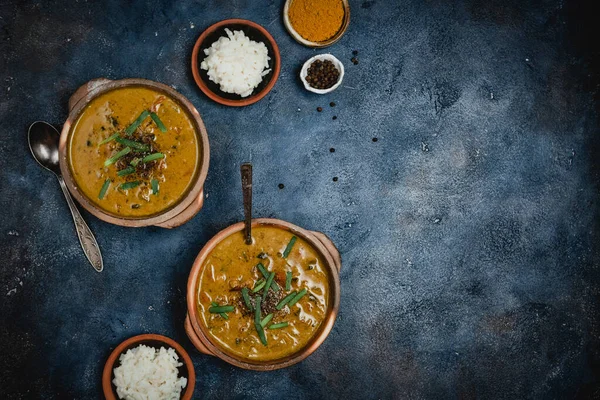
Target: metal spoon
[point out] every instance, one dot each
(43, 143)
(246, 171)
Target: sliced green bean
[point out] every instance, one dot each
(116, 157)
(135, 161)
(266, 320)
(247, 299)
(260, 284)
(223, 315)
(109, 139)
(153, 157)
(221, 309)
(133, 144)
(154, 184)
(104, 189)
(257, 310)
(288, 280)
(279, 325)
(297, 297)
(158, 122)
(126, 171)
(130, 185)
(261, 333)
(134, 125)
(288, 248)
(285, 300)
(267, 286)
(265, 273)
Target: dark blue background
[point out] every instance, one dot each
(469, 231)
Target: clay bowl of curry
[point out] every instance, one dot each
(267, 305)
(134, 153)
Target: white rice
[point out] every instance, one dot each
(146, 373)
(236, 63)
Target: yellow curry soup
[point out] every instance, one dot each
(133, 152)
(293, 308)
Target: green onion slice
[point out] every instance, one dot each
(288, 248)
(126, 171)
(153, 157)
(104, 189)
(154, 184)
(285, 300)
(137, 122)
(116, 157)
(297, 297)
(279, 325)
(130, 185)
(158, 122)
(266, 320)
(109, 139)
(133, 144)
(288, 280)
(247, 299)
(221, 309)
(267, 286)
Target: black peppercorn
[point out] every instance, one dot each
(332, 104)
(354, 60)
(334, 117)
(322, 74)
(335, 178)
(332, 150)
(374, 139)
(281, 186)
(319, 109)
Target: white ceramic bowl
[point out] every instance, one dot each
(337, 63)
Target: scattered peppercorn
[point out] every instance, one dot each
(334, 117)
(319, 109)
(355, 52)
(281, 186)
(332, 150)
(322, 74)
(354, 60)
(374, 139)
(335, 178)
(332, 104)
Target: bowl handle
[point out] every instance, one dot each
(188, 213)
(194, 338)
(85, 89)
(325, 241)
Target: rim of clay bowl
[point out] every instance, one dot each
(149, 339)
(219, 96)
(92, 90)
(288, 26)
(320, 242)
(304, 71)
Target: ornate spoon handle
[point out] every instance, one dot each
(246, 171)
(86, 237)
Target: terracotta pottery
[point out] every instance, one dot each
(197, 332)
(254, 32)
(156, 341)
(290, 28)
(189, 204)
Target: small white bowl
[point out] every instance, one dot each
(337, 63)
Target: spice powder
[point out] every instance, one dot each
(316, 20)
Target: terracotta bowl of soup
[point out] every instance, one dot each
(267, 305)
(135, 153)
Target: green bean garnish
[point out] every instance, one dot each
(288, 280)
(116, 157)
(285, 300)
(257, 310)
(158, 122)
(137, 122)
(109, 139)
(126, 171)
(133, 144)
(267, 286)
(135, 161)
(104, 189)
(247, 299)
(259, 285)
(266, 320)
(261, 333)
(154, 184)
(279, 325)
(288, 248)
(297, 297)
(223, 315)
(265, 273)
(129, 185)
(153, 157)
(221, 309)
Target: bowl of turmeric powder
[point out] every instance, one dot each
(316, 23)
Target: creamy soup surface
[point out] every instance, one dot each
(232, 268)
(133, 151)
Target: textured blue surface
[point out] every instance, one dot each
(469, 230)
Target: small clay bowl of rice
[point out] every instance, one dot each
(148, 366)
(236, 62)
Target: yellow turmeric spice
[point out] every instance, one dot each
(316, 20)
